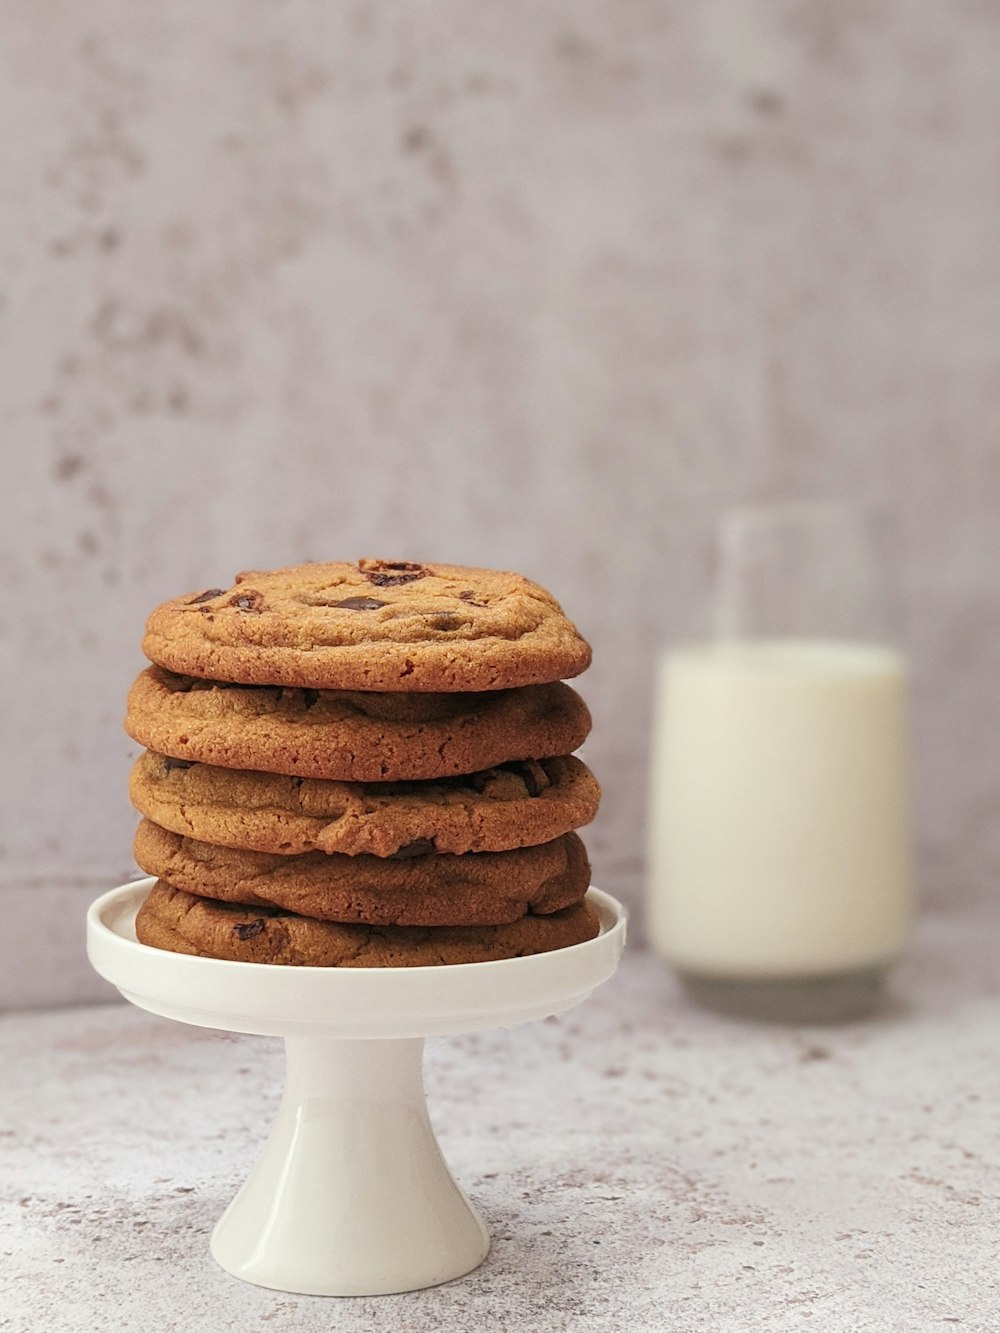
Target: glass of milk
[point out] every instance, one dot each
(780, 876)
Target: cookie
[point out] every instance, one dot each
(520, 804)
(480, 888)
(351, 736)
(172, 919)
(376, 625)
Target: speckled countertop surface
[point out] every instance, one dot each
(641, 1165)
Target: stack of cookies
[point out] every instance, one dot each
(363, 765)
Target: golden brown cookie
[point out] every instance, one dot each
(480, 888)
(351, 736)
(521, 804)
(178, 921)
(375, 625)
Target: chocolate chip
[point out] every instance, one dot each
(206, 596)
(399, 566)
(250, 929)
(421, 847)
(251, 600)
(310, 697)
(392, 580)
(469, 596)
(170, 762)
(391, 573)
(360, 604)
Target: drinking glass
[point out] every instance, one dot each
(780, 877)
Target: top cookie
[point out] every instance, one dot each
(376, 625)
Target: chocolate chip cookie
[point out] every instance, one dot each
(351, 736)
(519, 804)
(375, 625)
(178, 921)
(425, 889)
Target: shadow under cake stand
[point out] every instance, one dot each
(351, 1195)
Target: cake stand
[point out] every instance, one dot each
(351, 1195)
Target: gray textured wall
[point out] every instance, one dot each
(539, 286)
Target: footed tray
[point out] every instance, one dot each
(351, 1195)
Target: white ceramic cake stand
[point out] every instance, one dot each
(351, 1195)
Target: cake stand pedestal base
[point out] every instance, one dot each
(351, 1195)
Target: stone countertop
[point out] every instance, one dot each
(641, 1165)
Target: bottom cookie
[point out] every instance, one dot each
(182, 923)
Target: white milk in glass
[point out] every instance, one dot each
(779, 839)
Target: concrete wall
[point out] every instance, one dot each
(532, 285)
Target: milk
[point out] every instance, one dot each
(779, 825)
